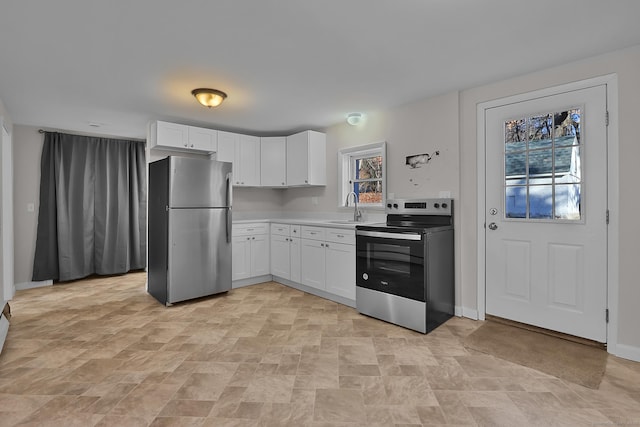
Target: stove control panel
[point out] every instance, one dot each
(420, 206)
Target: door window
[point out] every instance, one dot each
(542, 169)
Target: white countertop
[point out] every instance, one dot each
(334, 223)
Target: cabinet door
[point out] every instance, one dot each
(297, 159)
(227, 142)
(273, 161)
(295, 250)
(241, 257)
(259, 255)
(341, 269)
(280, 257)
(172, 135)
(203, 139)
(312, 266)
(249, 160)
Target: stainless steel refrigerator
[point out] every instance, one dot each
(189, 243)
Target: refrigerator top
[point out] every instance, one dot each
(199, 183)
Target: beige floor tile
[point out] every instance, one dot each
(268, 355)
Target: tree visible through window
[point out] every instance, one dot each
(363, 172)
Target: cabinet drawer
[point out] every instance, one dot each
(315, 233)
(338, 235)
(280, 229)
(249, 229)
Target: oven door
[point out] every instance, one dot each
(391, 262)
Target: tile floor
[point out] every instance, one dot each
(102, 352)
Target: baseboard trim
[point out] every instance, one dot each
(251, 281)
(628, 352)
(467, 312)
(32, 285)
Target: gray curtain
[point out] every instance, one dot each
(92, 217)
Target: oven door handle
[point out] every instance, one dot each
(387, 235)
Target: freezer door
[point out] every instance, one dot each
(199, 183)
(199, 253)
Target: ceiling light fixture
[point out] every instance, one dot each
(354, 118)
(209, 97)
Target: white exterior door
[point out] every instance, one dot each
(546, 212)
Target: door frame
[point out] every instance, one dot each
(613, 202)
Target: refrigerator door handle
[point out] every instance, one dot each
(229, 190)
(229, 203)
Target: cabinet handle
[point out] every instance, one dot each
(306, 181)
(249, 229)
(253, 238)
(322, 244)
(313, 233)
(248, 238)
(295, 231)
(191, 145)
(283, 183)
(185, 145)
(326, 245)
(340, 235)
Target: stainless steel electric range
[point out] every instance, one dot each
(405, 268)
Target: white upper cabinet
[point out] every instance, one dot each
(174, 136)
(203, 139)
(244, 152)
(307, 159)
(273, 163)
(298, 160)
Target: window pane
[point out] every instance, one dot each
(567, 164)
(540, 163)
(515, 167)
(368, 192)
(516, 202)
(540, 202)
(369, 167)
(540, 131)
(567, 200)
(515, 135)
(567, 127)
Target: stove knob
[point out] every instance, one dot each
(395, 205)
(444, 206)
(436, 205)
(389, 205)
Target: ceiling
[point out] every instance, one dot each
(108, 67)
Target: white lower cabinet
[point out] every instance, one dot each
(329, 260)
(250, 251)
(313, 263)
(285, 251)
(340, 261)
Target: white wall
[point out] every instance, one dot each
(416, 128)
(26, 160)
(626, 64)
(448, 123)
(26, 184)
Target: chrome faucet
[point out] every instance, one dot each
(357, 215)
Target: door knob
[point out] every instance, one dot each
(493, 226)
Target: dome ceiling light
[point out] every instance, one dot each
(209, 97)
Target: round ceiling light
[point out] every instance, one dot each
(354, 118)
(209, 97)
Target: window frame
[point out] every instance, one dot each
(346, 173)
